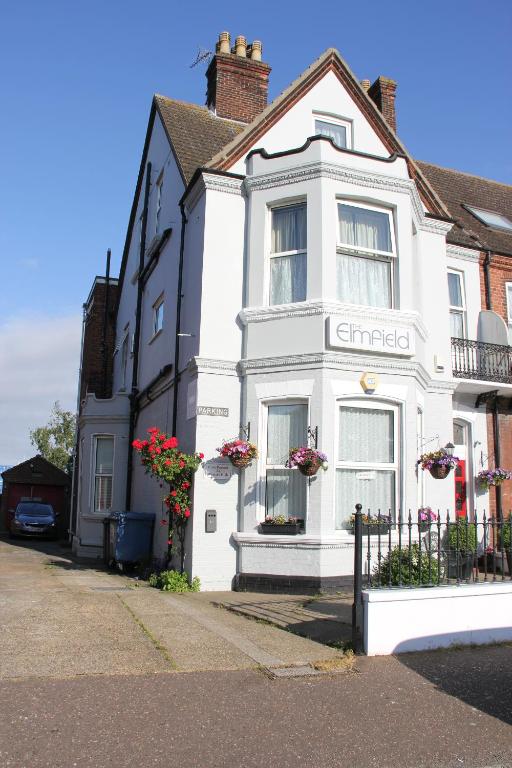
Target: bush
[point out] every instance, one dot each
(505, 537)
(404, 566)
(173, 581)
(462, 536)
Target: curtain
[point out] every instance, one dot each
(286, 488)
(454, 289)
(363, 281)
(286, 493)
(336, 132)
(104, 455)
(364, 228)
(288, 276)
(289, 228)
(376, 492)
(287, 428)
(457, 325)
(366, 435)
(103, 493)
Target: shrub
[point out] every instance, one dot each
(402, 566)
(462, 536)
(173, 581)
(506, 537)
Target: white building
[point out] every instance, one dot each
(279, 253)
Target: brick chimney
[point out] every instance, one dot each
(237, 80)
(382, 92)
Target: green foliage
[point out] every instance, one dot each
(56, 440)
(405, 568)
(462, 536)
(173, 581)
(505, 536)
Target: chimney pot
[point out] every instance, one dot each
(241, 46)
(365, 84)
(256, 50)
(223, 44)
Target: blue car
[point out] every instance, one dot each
(33, 518)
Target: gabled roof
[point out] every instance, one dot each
(195, 134)
(330, 60)
(458, 189)
(36, 471)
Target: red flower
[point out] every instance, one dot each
(154, 467)
(201, 455)
(187, 512)
(167, 462)
(177, 508)
(153, 430)
(174, 493)
(169, 542)
(185, 485)
(171, 442)
(181, 464)
(137, 444)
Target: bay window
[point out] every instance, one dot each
(285, 488)
(367, 460)
(103, 473)
(365, 255)
(288, 256)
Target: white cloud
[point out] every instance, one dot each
(39, 361)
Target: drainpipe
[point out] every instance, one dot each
(136, 339)
(74, 479)
(487, 280)
(105, 327)
(178, 319)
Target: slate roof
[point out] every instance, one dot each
(36, 471)
(195, 134)
(456, 189)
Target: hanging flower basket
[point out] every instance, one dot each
(488, 477)
(440, 471)
(307, 460)
(439, 463)
(239, 452)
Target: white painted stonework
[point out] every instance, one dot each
(400, 621)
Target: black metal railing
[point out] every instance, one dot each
(480, 360)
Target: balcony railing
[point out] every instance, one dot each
(480, 360)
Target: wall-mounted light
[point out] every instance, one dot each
(449, 448)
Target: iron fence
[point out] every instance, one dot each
(480, 360)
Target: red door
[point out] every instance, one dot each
(461, 489)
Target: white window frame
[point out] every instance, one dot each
(263, 447)
(326, 117)
(454, 309)
(279, 254)
(349, 249)
(95, 474)
(158, 204)
(157, 323)
(508, 299)
(395, 466)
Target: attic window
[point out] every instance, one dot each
(490, 218)
(336, 129)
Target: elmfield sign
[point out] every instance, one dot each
(347, 333)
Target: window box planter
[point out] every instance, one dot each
(282, 529)
(374, 529)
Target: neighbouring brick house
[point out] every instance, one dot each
(278, 256)
(36, 479)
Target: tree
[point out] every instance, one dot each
(56, 440)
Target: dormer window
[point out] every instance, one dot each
(365, 255)
(336, 129)
(490, 218)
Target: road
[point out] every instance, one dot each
(96, 672)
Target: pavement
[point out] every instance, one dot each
(96, 671)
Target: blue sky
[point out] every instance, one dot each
(77, 86)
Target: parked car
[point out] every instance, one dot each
(33, 518)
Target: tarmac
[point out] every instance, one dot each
(99, 671)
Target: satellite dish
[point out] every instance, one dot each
(492, 328)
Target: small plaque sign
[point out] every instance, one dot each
(366, 475)
(218, 470)
(211, 410)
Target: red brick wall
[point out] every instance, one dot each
(237, 87)
(92, 359)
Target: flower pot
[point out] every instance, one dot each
(240, 460)
(310, 469)
(440, 471)
(283, 529)
(381, 529)
(460, 567)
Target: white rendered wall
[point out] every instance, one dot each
(403, 620)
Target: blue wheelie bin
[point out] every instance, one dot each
(128, 537)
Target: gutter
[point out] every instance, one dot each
(487, 280)
(136, 342)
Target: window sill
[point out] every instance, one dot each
(155, 336)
